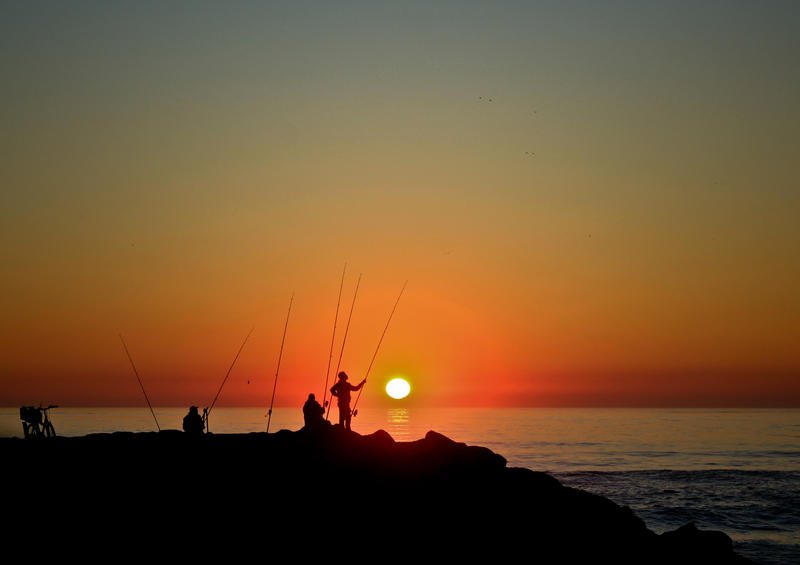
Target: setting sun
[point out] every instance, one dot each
(398, 388)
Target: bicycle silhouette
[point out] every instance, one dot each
(36, 422)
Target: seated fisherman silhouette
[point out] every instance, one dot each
(341, 390)
(193, 423)
(313, 413)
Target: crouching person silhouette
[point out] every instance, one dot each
(193, 423)
(313, 414)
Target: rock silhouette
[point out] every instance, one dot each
(433, 497)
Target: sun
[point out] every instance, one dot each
(398, 388)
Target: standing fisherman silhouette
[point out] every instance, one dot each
(341, 390)
(313, 414)
(193, 423)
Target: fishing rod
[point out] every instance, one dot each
(346, 329)
(355, 406)
(135, 372)
(333, 337)
(207, 411)
(275, 385)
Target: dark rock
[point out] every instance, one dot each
(330, 490)
(703, 546)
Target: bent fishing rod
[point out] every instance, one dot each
(333, 337)
(280, 355)
(355, 406)
(207, 411)
(135, 372)
(346, 329)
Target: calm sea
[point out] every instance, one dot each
(732, 470)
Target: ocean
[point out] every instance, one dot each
(737, 471)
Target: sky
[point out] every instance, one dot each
(593, 203)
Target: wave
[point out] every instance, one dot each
(758, 509)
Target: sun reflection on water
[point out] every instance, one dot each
(397, 424)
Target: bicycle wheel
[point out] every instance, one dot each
(49, 430)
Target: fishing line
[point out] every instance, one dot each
(333, 337)
(208, 411)
(347, 328)
(135, 372)
(355, 406)
(275, 385)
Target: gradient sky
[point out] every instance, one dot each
(618, 226)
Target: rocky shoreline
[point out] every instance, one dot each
(301, 491)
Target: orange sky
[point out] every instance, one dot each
(617, 227)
